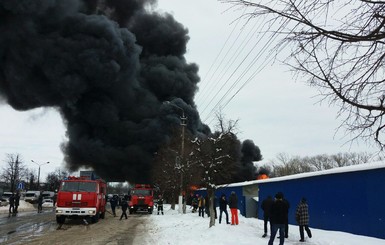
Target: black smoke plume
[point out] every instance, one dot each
(115, 71)
(249, 154)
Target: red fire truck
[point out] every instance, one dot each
(81, 197)
(142, 198)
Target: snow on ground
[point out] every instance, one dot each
(24, 206)
(173, 228)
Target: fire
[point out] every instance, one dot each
(262, 176)
(194, 187)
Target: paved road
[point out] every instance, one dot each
(33, 228)
(25, 225)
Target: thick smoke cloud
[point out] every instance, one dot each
(114, 70)
(108, 67)
(250, 153)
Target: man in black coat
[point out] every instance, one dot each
(287, 216)
(40, 203)
(114, 202)
(266, 207)
(159, 204)
(278, 219)
(12, 204)
(17, 202)
(124, 204)
(223, 208)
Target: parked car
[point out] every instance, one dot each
(32, 196)
(48, 194)
(3, 202)
(47, 203)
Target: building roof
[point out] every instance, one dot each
(346, 169)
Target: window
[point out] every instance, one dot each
(78, 186)
(141, 192)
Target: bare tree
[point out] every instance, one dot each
(13, 171)
(338, 46)
(216, 159)
(53, 179)
(286, 165)
(174, 172)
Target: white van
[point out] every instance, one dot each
(32, 196)
(6, 195)
(48, 195)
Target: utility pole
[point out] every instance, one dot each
(183, 123)
(38, 175)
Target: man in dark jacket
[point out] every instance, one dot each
(278, 219)
(223, 208)
(287, 216)
(159, 203)
(40, 203)
(17, 202)
(114, 202)
(12, 203)
(266, 207)
(124, 205)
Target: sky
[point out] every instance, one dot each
(279, 113)
(171, 228)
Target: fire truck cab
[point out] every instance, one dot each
(83, 197)
(141, 198)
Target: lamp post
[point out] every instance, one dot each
(38, 175)
(183, 123)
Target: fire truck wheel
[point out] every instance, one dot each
(102, 215)
(95, 218)
(60, 219)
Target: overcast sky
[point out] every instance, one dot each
(280, 114)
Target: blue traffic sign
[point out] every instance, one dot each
(20, 186)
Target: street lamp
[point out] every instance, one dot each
(38, 176)
(183, 123)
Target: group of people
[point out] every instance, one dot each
(14, 202)
(122, 202)
(277, 213)
(202, 205)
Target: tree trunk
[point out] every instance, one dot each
(210, 193)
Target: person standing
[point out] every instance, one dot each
(17, 202)
(114, 203)
(302, 218)
(233, 204)
(266, 207)
(201, 206)
(194, 203)
(159, 203)
(278, 219)
(40, 203)
(287, 216)
(124, 205)
(223, 209)
(207, 205)
(12, 204)
(54, 198)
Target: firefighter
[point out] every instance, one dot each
(160, 204)
(124, 204)
(114, 203)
